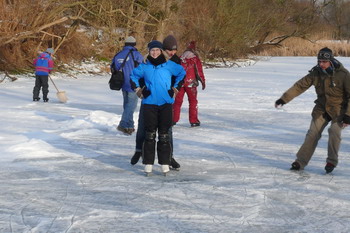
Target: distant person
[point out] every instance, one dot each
(194, 74)
(170, 48)
(132, 59)
(332, 84)
(43, 67)
(157, 104)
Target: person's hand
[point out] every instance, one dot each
(203, 85)
(139, 92)
(346, 121)
(279, 103)
(173, 92)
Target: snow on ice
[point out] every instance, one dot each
(65, 167)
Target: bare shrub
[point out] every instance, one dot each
(302, 47)
(77, 48)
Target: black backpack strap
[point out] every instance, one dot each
(121, 67)
(136, 63)
(127, 55)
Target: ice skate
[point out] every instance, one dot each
(295, 166)
(136, 157)
(165, 169)
(174, 165)
(148, 169)
(329, 168)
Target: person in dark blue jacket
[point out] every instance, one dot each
(157, 99)
(130, 99)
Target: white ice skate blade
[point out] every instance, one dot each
(148, 168)
(165, 168)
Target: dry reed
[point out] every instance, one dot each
(302, 47)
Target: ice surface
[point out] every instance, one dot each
(65, 167)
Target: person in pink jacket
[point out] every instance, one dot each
(194, 74)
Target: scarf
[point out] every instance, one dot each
(156, 61)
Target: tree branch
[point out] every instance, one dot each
(27, 34)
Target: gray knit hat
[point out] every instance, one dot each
(50, 50)
(130, 40)
(170, 43)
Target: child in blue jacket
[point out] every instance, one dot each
(43, 66)
(157, 97)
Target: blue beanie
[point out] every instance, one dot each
(155, 44)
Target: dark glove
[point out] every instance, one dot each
(346, 119)
(279, 102)
(146, 92)
(203, 85)
(172, 92)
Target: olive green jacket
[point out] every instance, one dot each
(333, 91)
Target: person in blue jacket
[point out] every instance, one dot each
(157, 98)
(43, 67)
(130, 99)
(170, 49)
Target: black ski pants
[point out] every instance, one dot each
(41, 81)
(157, 118)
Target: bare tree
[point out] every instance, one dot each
(222, 28)
(337, 14)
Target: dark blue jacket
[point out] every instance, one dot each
(129, 64)
(158, 80)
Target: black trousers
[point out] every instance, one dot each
(157, 118)
(41, 81)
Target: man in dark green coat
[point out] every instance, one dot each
(332, 84)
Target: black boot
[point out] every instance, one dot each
(174, 165)
(195, 124)
(329, 167)
(136, 157)
(295, 166)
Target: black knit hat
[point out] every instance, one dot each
(170, 43)
(325, 54)
(155, 44)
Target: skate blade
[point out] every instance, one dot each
(165, 173)
(148, 174)
(174, 169)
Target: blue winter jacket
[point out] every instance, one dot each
(158, 80)
(129, 64)
(43, 64)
